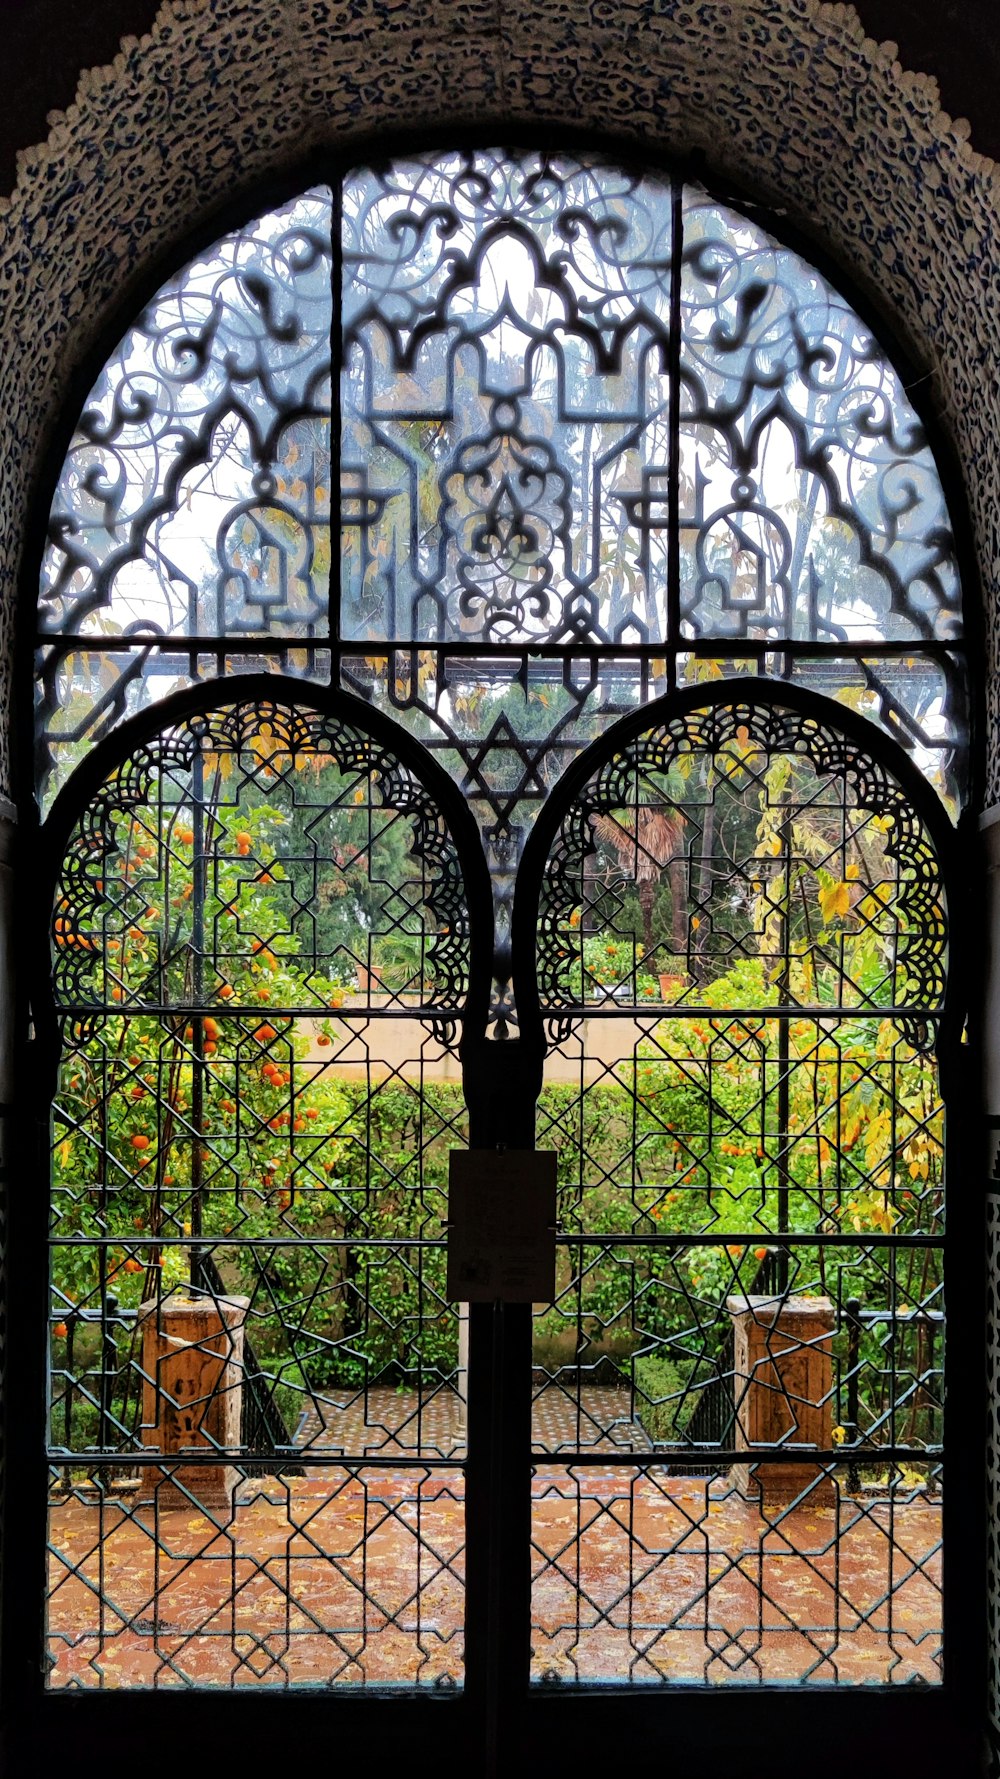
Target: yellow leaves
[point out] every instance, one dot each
(883, 1216)
(850, 1130)
(877, 1138)
(872, 1210)
(834, 900)
(698, 669)
(359, 795)
(838, 1435)
(64, 1150)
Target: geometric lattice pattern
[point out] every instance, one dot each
(260, 950)
(351, 1575)
(640, 1577)
(741, 967)
(602, 438)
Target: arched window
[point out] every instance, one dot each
(616, 769)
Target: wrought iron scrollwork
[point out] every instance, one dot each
(133, 869)
(815, 808)
(601, 438)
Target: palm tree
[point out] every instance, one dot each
(645, 843)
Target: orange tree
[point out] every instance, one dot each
(184, 1139)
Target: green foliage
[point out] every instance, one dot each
(174, 1130)
(663, 1399)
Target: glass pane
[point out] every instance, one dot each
(741, 954)
(195, 497)
(641, 1576)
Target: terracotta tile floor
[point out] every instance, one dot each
(339, 1576)
(592, 1418)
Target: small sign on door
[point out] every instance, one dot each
(502, 1226)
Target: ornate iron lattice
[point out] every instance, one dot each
(260, 963)
(741, 953)
(641, 813)
(605, 436)
(194, 504)
(601, 437)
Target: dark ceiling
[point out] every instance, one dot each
(47, 42)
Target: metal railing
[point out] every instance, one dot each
(713, 1419)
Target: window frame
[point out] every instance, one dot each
(737, 1725)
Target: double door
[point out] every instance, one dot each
(282, 1458)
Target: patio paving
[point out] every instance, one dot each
(351, 1576)
(379, 1422)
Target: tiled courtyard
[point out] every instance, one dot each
(355, 1575)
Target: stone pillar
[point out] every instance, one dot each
(783, 1383)
(192, 1363)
